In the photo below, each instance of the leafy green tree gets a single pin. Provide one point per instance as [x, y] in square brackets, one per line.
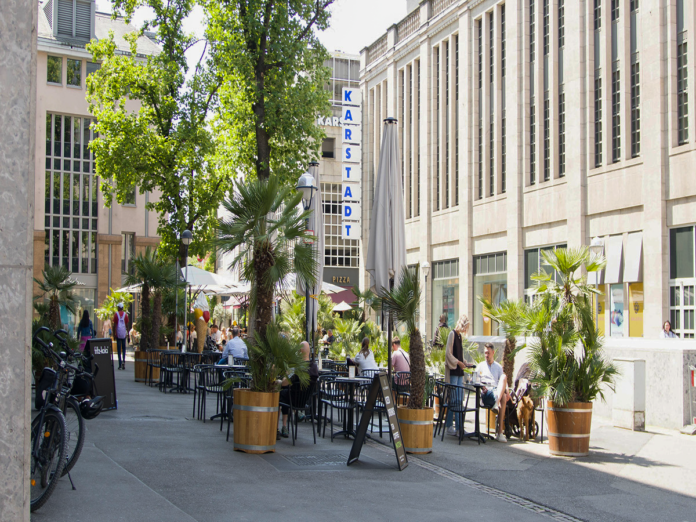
[506, 314]
[110, 305]
[167, 145]
[264, 229]
[275, 84]
[56, 286]
[366, 301]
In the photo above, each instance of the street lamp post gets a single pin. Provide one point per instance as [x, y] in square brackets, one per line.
[597, 248]
[186, 238]
[426, 270]
[306, 187]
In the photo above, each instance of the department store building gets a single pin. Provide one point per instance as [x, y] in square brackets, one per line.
[529, 125]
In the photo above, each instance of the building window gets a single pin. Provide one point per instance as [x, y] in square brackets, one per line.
[636, 305]
[447, 125]
[127, 252]
[533, 264]
[503, 122]
[130, 197]
[54, 70]
[532, 107]
[617, 311]
[547, 138]
[479, 24]
[616, 112]
[418, 152]
[92, 67]
[490, 282]
[446, 291]
[337, 251]
[635, 82]
[491, 106]
[437, 131]
[328, 146]
[74, 19]
[682, 281]
[598, 117]
[682, 78]
[71, 195]
[409, 140]
[74, 72]
[561, 132]
[456, 120]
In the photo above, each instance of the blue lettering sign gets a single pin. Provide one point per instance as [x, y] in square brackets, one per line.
[346, 95]
[349, 116]
[348, 172]
[347, 211]
[347, 152]
[347, 230]
[348, 194]
[348, 133]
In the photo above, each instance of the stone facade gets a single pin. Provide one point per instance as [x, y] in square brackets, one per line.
[478, 195]
[17, 143]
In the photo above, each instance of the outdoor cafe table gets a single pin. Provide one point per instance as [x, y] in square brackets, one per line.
[476, 434]
[348, 422]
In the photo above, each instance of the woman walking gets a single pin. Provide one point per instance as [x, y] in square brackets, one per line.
[85, 330]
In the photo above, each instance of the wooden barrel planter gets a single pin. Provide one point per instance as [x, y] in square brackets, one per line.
[569, 428]
[255, 421]
[416, 429]
[140, 366]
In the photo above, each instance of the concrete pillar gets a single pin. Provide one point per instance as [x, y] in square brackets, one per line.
[17, 145]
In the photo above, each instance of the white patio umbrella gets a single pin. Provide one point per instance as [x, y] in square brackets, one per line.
[386, 251]
[342, 307]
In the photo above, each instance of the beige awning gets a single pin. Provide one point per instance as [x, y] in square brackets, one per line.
[633, 265]
[614, 254]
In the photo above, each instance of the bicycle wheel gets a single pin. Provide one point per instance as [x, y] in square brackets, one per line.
[75, 430]
[48, 461]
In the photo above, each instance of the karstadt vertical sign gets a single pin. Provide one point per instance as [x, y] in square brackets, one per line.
[351, 157]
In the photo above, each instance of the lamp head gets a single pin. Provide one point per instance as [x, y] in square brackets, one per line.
[425, 267]
[597, 246]
[305, 185]
[186, 237]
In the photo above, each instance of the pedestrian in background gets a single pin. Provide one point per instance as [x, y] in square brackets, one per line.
[120, 328]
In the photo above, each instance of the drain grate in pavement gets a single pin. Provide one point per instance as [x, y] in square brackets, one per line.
[332, 459]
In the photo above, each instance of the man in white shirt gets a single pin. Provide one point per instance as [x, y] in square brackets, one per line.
[494, 394]
[216, 335]
[235, 347]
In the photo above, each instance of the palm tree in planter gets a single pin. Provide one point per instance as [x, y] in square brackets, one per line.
[568, 364]
[403, 301]
[506, 314]
[262, 227]
[56, 286]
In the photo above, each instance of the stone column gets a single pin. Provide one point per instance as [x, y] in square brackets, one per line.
[17, 144]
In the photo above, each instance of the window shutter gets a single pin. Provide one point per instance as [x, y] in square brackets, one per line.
[65, 17]
[83, 17]
[48, 11]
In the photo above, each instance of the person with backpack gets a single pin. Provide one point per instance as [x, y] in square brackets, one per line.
[120, 324]
[85, 330]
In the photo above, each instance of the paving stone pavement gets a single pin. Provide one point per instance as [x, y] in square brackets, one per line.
[149, 460]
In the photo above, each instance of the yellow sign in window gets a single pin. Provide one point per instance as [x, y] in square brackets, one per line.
[635, 309]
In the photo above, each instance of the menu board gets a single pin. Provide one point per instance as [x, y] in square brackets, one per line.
[104, 381]
[380, 386]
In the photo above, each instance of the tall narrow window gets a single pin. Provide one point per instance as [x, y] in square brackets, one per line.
[447, 125]
[615, 85]
[532, 106]
[480, 108]
[491, 106]
[402, 103]
[561, 93]
[547, 107]
[597, 83]
[437, 132]
[503, 123]
[682, 78]
[418, 120]
[635, 82]
[409, 201]
[456, 120]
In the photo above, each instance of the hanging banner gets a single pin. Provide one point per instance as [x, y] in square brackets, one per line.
[351, 156]
[352, 96]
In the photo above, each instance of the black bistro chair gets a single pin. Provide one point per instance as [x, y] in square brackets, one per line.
[335, 395]
[298, 399]
[456, 400]
[401, 385]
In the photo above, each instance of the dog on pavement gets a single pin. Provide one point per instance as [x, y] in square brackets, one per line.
[525, 412]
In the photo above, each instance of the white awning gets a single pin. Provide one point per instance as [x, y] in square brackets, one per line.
[592, 276]
[633, 266]
[614, 254]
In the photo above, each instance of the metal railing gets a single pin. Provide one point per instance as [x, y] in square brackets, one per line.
[408, 26]
[440, 5]
[377, 49]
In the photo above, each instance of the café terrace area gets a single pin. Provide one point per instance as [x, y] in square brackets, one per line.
[151, 455]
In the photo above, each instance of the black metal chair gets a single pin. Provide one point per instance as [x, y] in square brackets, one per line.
[379, 408]
[457, 401]
[153, 361]
[298, 400]
[439, 394]
[243, 380]
[240, 361]
[335, 395]
[169, 367]
[198, 387]
[401, 385]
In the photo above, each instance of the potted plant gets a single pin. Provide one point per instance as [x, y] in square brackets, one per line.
[566, 358]
[272, 357]
[506, 314]
[416, 418]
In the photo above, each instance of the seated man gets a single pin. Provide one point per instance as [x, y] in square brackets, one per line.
[234, 348]
[494, 394]
[400, 360]
[330, 339]
[294, 382]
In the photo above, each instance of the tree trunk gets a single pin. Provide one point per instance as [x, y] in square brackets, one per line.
[263, 260]
[156, 319]
[509, 362]
[417, 357]
[263, 147]
[54, 313]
